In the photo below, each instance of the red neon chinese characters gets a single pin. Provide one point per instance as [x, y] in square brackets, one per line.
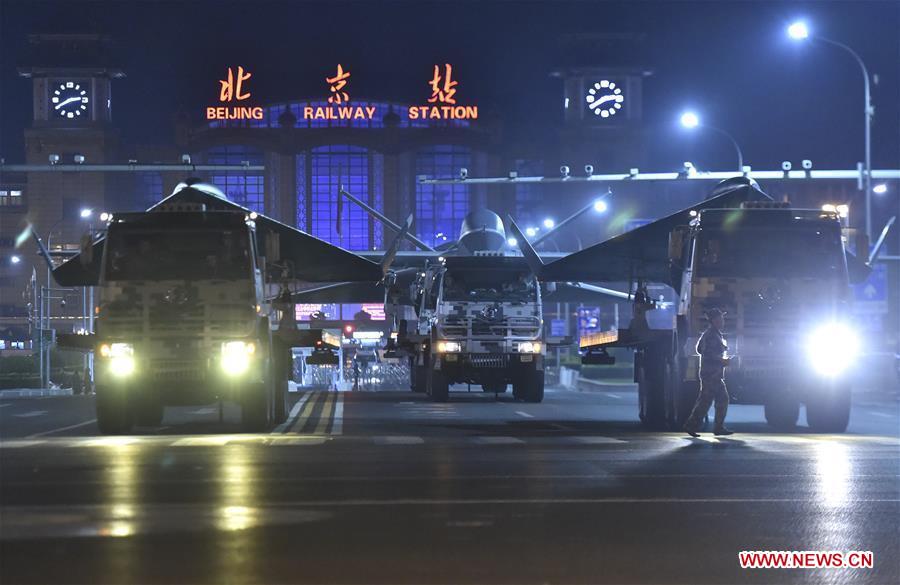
[231, 87]
[337, 83]
[443, 94]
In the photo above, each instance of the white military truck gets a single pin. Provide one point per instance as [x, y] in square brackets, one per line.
[479, 322]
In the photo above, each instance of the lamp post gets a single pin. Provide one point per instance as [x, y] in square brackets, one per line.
[690, 120]
[799, 32]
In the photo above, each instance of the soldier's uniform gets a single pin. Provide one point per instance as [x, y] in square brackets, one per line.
[712, 348]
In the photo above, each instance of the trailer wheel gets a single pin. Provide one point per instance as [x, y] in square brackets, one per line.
[652, 388]
[114, 415]
[782, 411]
[829, 412]
[438, 386]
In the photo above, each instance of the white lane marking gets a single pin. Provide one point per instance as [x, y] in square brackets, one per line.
[6, 404]
[337, 427]
[397, 440]
[291, 504]
[293, 414]
[883, 414]
[325, 415]
[19, 443]
[525, 414]
[75, 426]
[31, 414]
[611, 395]
[304, 415]
[497, 440]
[595, 440]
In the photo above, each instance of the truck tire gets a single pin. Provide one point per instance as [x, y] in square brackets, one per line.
[148, 410]
[438, 386]
[652, 388]
[256, 408]
[113, 411]
[530, 388]
[418, 376]
[782, 411]
[829, 412]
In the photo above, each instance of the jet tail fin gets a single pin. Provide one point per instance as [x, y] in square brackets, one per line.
[531, 257]
[391, 252]
[44, 252]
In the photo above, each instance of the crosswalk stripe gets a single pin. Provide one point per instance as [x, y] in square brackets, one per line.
[294, 410]
[337, 428]
[397, 440]
[497, 440]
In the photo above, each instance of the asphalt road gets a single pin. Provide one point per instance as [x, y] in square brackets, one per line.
[390, 488]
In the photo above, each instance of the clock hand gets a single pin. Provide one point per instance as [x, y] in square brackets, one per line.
[61, 104]
[603, 99]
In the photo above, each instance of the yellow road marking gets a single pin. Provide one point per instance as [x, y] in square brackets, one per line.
[325, 416]
[304, 415]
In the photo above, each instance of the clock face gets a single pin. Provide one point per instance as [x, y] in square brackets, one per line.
[604, 99]
[69, 99]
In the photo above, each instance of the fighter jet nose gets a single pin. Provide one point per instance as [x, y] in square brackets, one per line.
[482, 229]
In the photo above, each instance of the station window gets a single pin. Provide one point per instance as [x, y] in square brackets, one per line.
[11, 198]
[148, 189]
[361, 172]
[528, 197]
[245, 189]
[440, 209]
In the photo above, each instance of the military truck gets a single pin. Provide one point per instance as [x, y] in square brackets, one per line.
[783, 277]
[479, 321]
[183, 319]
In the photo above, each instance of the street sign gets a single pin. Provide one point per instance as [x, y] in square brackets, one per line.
[871, 295]
[558, 328]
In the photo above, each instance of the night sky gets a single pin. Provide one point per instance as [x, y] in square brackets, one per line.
[730, 61]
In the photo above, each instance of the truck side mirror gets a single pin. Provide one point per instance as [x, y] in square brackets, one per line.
[676, 244]
[87, 250]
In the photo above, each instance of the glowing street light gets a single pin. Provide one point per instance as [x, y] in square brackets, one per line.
[86, 213]
[15, 259]
[549, 223]
[691, 120]
[800, 32]
[531, 232]
[600, 206]
[512, 242]
[880, 189]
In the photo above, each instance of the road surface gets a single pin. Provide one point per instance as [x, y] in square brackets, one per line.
[390, 488]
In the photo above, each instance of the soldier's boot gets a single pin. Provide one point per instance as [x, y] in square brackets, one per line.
[722, 431]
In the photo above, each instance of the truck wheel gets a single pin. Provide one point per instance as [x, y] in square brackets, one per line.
[782, 412]
[148, 411]
[255, 408]
[652, 389]
[419, 375]
[830, 412]
[438, 386]
[530, 388]
[113, 412]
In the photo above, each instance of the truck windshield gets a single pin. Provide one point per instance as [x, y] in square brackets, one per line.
[488, 286]
[161, 254]
[782, 253]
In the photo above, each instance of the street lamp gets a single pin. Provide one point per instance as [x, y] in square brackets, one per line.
[549, 223]
[691, 120]
[880, 189]
[799, 32]
[86, 213]
[600, 206]
[15, 259]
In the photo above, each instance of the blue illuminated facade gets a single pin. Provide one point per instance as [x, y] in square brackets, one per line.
[440, 209]
[246, 189]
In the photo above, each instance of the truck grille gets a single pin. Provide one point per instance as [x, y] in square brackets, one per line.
[459, 326]
[486, 360]
[170, 371]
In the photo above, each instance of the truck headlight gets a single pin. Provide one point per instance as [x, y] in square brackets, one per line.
[121, 358]
[832, 348]
[236, 357]
[449, 347]
[528, 347]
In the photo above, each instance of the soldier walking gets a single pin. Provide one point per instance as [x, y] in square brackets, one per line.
[713, 350]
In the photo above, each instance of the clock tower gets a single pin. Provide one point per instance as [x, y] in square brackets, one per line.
[71, 77]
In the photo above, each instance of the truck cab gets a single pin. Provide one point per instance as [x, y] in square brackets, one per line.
[182, 318]
[481, 322]
[781, 276]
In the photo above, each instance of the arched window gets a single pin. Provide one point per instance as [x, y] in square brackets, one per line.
[246, 189]
[318, 175]
[440, 209]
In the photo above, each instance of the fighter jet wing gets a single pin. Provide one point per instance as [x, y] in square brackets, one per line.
[643, 252]
[312, 259]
